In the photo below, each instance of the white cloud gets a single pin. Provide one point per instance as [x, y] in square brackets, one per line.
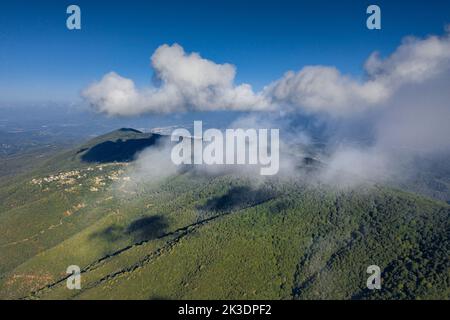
[351, 166]
[414, 61]
[322, 89]
[188, 82]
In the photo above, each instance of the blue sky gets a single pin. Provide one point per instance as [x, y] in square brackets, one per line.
[41, 60]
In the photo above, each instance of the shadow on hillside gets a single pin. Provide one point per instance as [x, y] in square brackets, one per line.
[142, 229]
[120, 150]
[110, 234]
[236, 198]
[147, 228]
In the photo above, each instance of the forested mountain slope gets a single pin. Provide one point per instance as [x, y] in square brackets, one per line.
[212, 236]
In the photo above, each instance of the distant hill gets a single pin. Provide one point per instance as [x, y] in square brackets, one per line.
[199, 236]
[121, 148]
[121, 145]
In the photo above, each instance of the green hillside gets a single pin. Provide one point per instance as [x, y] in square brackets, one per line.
[211, 236]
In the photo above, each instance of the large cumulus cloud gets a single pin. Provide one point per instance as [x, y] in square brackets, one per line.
[323, 89]
[190, 82]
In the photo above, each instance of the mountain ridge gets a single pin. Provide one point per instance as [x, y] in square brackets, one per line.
[213, 236]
